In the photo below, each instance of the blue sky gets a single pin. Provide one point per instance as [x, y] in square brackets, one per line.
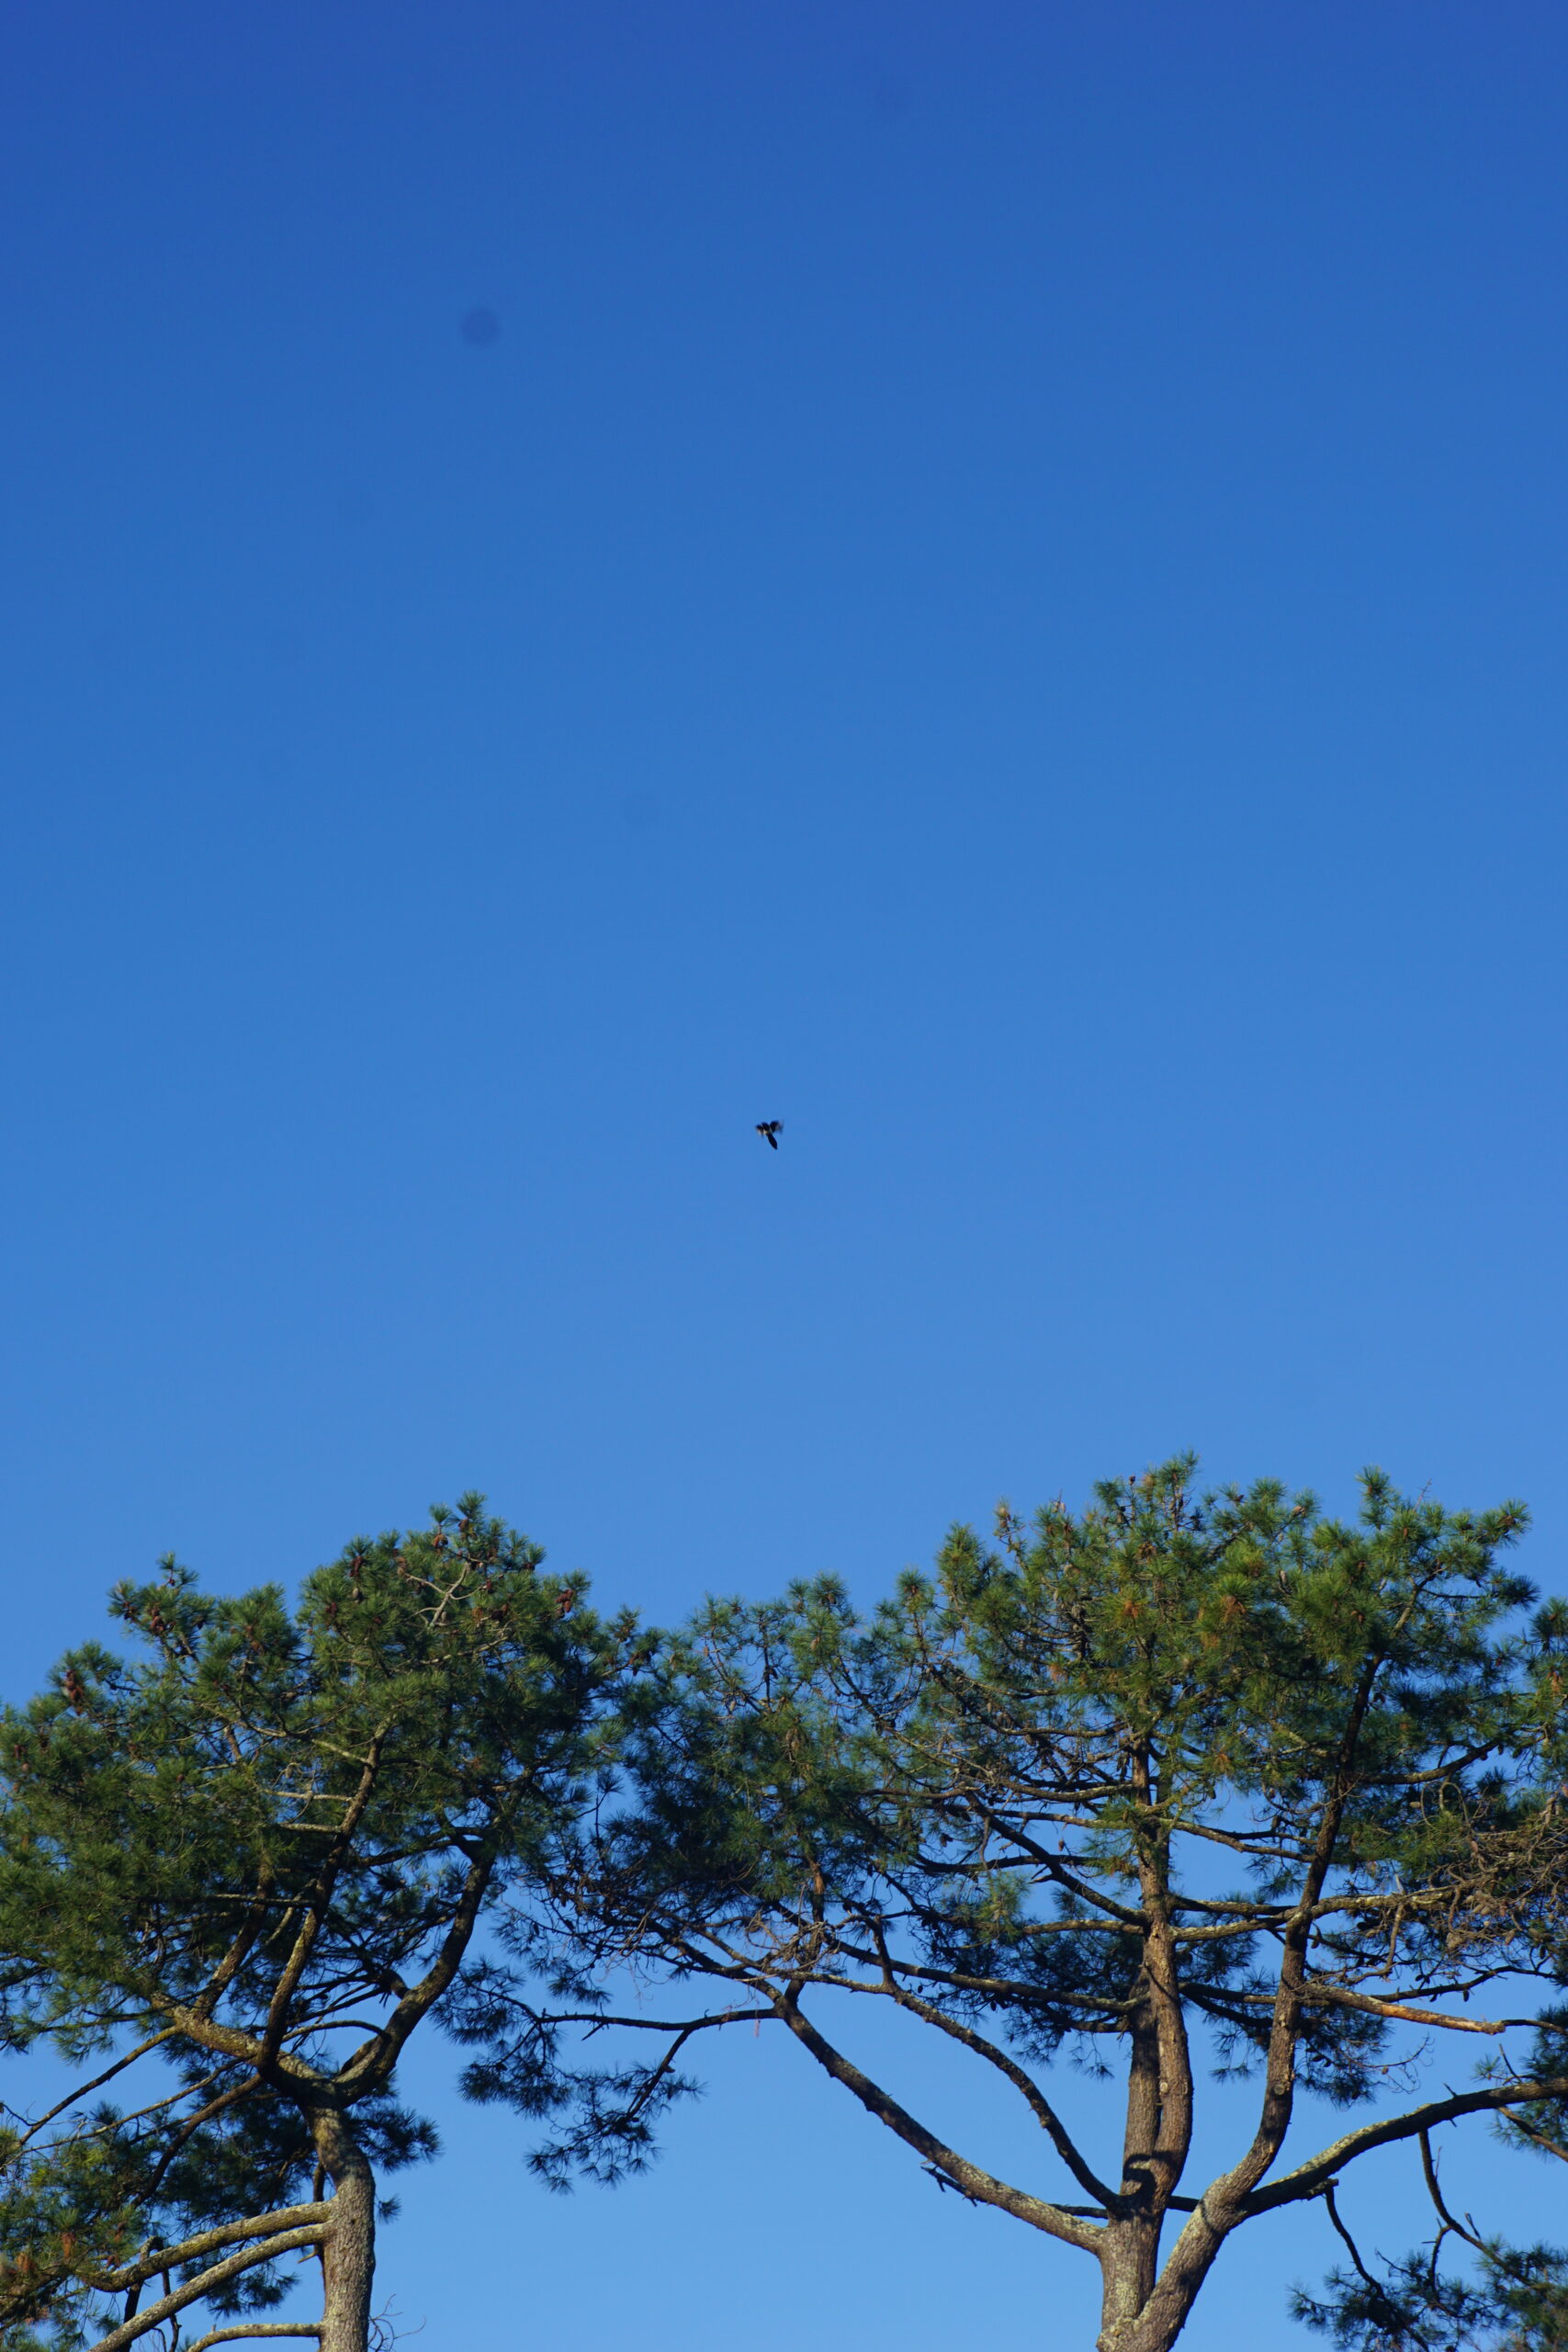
[996, 594]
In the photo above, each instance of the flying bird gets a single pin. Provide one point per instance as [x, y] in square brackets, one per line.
[769, 1131]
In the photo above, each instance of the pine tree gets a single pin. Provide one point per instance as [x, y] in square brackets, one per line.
[255, 1862]
[1173, 1782]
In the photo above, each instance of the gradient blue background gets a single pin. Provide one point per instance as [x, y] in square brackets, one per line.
[999, 595]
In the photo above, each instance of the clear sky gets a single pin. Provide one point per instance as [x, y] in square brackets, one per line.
[987, 581]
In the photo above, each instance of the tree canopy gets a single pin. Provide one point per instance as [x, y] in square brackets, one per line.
[1178, 1783]
[255, 1860]
[1175, 1782]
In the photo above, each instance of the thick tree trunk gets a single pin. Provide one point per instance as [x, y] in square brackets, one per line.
[1145, 2309]
[1128, 2265]
[348, 2258]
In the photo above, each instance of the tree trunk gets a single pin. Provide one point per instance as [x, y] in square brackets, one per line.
[1128, 2265]
[348, 2258]
[1145, 2309]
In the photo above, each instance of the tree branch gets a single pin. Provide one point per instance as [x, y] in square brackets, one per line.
[974, 2182]
[97, 2084]
[1311, 2178]
[1378, 2293]
[320, 1897]
[1320, 1996]
[1279, 2064]
[233, 2335]
[172, 2258]
[374, 2060]
[1430, 2167]
[219, 2276]
[1040, 2107]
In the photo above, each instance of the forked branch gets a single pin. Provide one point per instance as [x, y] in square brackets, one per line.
[205, 2283]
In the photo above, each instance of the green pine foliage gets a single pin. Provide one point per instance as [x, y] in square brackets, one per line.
[1173, 1784]
[1497, 2297]
[1511, 2299]
[260, 1852]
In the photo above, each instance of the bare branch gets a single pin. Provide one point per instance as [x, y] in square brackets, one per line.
[98, 2083]
[1355, 2251]
[1039, 2105]
[1320, 1996]
[172, 2258]
[594, 2019]
[1309, 2179]
[974, 2182]
[219, 2276]
[234, 2335]
[1430, 2167]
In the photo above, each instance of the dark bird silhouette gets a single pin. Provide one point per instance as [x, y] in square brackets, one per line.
[769, 1131]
